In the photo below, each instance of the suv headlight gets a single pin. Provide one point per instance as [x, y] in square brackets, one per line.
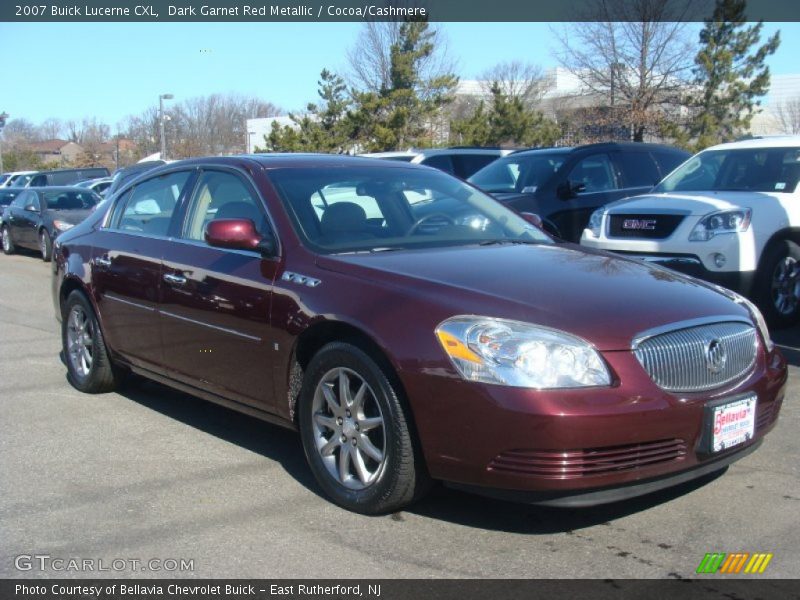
[520, 354]
[726, 221]
[596, 222]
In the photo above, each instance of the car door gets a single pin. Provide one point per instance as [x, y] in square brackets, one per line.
[126, 266]
[591, 182]
[215, 302]
[27, 221]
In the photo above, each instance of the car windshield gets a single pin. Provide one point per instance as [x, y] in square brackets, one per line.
[21, 180]
[69, 200]
[377, 209]
[522, 173]
[750, 169]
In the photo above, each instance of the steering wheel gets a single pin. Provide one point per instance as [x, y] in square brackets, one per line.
[413, 229]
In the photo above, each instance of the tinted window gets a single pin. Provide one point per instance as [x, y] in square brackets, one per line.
[519, 172]
[7, 196]
[467, 164]
[69, 200]
[38, 180]
[751, 169]
[384, 209]
[595, 172]
[149, 208]
[439, 161]
[638, 169]
[222, 195]
[669, 161]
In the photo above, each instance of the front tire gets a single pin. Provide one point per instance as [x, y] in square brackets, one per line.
[8, 244]
[356, 433]
[778, 284]
[45, 245]
[89, 368]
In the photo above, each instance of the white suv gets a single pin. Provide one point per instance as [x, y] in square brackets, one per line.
[730, 215]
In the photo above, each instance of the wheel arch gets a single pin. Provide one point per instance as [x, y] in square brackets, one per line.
[791, 234]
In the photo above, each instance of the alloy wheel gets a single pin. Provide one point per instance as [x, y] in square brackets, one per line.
[786, 286]
[80, 341]
[349, 428]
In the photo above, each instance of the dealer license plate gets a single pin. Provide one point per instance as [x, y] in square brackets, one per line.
[733, 423]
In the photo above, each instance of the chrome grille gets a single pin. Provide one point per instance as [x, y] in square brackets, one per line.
[677, 360]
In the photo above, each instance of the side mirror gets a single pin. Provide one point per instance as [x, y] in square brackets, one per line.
[532, 218]
[238, 234]
[567, 190]
[31, 208]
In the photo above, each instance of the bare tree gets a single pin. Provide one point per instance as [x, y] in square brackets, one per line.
[633, 56]
[51, 129]
[788, 115]
[370, 58]
[516, 79]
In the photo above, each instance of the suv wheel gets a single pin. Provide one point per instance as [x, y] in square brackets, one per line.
[45, 245]
[778, 284]
[89, 368]
[356, 434]
[8, 244]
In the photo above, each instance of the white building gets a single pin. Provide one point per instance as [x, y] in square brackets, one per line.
[258, 128]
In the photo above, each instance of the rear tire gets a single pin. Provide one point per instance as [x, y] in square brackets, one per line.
[356, 433]
[89, 367]
[777, 290]
[8, 244]
[45, 245]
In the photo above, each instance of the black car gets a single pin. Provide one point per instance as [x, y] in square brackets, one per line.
[6, 198]
[564, 186]
[37, 215]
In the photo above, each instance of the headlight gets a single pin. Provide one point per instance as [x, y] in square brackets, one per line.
[520, 354]
[727, 221]
[758, 318]
[62, 225]
[596, 222]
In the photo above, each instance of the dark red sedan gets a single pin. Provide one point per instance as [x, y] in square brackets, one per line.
[413, 329]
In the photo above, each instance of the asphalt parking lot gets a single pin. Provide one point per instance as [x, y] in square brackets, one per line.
[154, 474]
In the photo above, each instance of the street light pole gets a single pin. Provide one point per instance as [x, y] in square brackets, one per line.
[161, 99]
[3, 119]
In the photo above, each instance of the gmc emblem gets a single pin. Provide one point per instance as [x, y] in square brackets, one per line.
[639, 224]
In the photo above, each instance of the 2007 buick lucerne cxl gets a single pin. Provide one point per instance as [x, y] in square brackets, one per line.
[413, 329]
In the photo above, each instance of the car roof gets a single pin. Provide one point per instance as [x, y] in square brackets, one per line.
[639, 146]
[767, 141]
[435, 151]
[278, 160]
[58, 188]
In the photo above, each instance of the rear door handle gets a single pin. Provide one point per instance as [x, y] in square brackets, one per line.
[175, 279]
[102, 261]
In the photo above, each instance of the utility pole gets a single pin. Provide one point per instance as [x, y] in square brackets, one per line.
[3, 119]
[161, 99]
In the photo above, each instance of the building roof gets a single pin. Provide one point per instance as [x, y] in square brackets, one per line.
[50, 146]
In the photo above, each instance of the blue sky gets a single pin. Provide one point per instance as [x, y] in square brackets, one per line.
[110, 71]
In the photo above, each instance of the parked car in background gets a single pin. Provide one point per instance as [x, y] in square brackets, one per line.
[730, 215]
[8, 179]
[125, 174]
[564, 186]
[59, 177]
[461, 161]
[37, 215]
[99, 186]
[460, 343]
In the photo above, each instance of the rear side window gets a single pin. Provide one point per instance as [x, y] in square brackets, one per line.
[38, 181]
[221, 195]
[441, 162]
[148, 209]
[70, 200]
[638, 169]
[466, 165]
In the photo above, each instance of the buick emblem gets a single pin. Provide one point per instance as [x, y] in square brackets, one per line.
[649, 224]
[716, 357]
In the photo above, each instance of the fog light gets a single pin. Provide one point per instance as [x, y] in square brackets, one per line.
[720, 260]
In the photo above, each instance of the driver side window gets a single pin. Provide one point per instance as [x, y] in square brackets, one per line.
[595, 172]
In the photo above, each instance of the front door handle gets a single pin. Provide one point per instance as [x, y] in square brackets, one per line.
[102, 261]
[174, 279]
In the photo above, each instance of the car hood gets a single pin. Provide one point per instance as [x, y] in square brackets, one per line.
[604, 299]
[70, 216]
[694, 203]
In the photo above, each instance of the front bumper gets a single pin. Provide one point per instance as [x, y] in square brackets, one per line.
[544, 445]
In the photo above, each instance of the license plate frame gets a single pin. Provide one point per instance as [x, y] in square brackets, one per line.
[732, 432]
